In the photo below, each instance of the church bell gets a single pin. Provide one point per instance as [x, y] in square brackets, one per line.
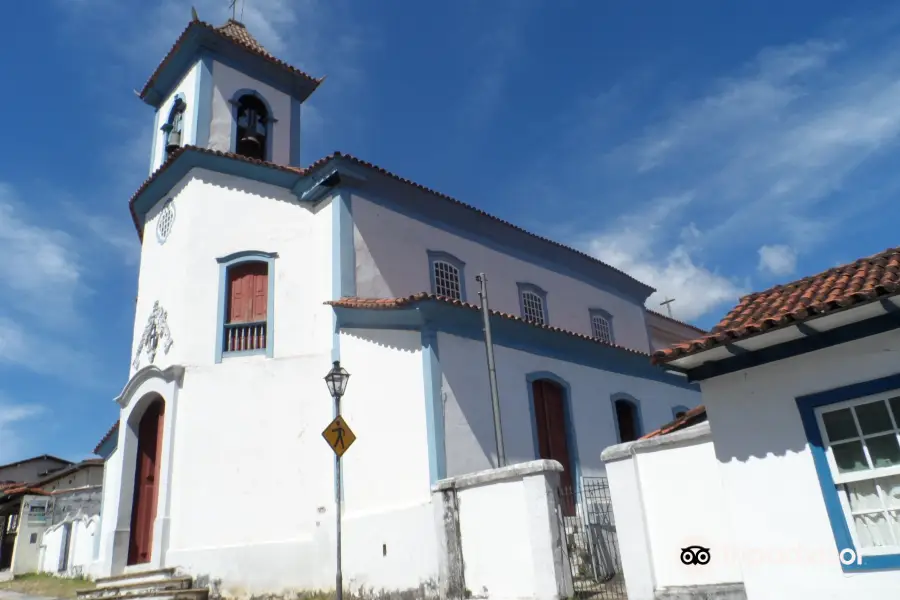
[174, 141]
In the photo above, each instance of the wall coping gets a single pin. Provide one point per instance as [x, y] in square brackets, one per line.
[626, 450]
[516, 471]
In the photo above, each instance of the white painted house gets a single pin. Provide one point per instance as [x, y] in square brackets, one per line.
[791, 489]
[257, 273]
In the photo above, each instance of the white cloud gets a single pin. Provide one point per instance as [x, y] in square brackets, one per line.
[12, 415]
[777, 259]
[41, 270]
[630, 245]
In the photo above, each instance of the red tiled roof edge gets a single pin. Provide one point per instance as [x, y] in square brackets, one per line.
[24, 490]
[112, 430]
[668, 318]
[861, 282]
[232, 40]
[338, 155]
[692, 417]
[395, 303]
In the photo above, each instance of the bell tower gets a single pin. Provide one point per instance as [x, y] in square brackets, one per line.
[219, 89]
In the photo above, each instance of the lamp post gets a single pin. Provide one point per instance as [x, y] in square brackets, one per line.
[336, 380]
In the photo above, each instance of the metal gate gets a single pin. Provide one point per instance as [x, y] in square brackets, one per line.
[592, 549]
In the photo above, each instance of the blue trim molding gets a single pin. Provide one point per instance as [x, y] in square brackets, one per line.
[679, 409]
[466, 322]
[199, 39]
[225, 263]
[599, 312]
[343, 258]
[537, 291]
[441, 256]
[271, 120]
[636, 406]
[296, 130]
[807, 406]
[203, 99]
[571, 437]
[434, 406]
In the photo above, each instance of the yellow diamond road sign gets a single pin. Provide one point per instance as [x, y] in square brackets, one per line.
[339, 436]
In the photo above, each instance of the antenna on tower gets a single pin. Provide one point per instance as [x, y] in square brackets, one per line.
[232, 4]
[668, 305]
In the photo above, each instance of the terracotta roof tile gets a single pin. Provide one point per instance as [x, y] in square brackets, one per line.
[24, 490]
[110, 432]
[235, 32]
[692, 417]
[336, 155]
[864, 281]
[396, 303]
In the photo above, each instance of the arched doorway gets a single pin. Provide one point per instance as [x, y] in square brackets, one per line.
[146, 482]
[552, 438]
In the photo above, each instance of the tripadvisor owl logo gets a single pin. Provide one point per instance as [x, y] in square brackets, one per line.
[695, 555]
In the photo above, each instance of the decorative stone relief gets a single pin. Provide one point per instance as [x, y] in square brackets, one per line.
[156, 331]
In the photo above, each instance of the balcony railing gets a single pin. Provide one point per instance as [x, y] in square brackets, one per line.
[245, 337]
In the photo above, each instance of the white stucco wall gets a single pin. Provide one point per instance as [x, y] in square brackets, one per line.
[80, 543]
[769, 479]
[667, 495]
[227, 81]
[187, 87]
[469, 418]
[210, 222]
[26, 554]
[392, 260]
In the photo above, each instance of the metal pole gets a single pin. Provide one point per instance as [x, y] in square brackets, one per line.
[492, 372]
[339, 578]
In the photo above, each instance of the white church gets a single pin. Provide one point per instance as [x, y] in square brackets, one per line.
[257, 274]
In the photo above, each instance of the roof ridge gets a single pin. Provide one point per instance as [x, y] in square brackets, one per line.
[396, 302]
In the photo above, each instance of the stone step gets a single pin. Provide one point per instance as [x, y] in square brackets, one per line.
[137, 577]
[126, 587]
[190, 594]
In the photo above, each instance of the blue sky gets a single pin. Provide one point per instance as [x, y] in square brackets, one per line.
[708, 148]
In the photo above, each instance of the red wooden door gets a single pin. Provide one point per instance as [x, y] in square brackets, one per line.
[249, 293]
[146, 484]
[553, 443]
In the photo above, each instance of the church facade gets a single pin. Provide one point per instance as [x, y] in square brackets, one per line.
[257, 273]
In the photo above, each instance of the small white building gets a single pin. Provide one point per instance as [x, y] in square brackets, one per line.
[257, 273]
[791, 489]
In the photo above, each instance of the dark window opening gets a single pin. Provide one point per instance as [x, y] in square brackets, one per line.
[252, 127]
[626, 417]
[174, 128]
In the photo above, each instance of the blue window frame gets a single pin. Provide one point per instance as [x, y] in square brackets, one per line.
[678, 411]
[602, 325]
[448, 275]
[245, 337]
[626, 410]
[252, 116]
[533, 303]
[854, 437]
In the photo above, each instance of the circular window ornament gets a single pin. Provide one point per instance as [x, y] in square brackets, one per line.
[164, 222]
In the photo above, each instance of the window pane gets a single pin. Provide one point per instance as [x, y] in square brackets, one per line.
[884, 450]
[873, 417]
[890, 487]
[863, 496]
[873, 530]
[849, 457]
[895, 408]
[839, 425]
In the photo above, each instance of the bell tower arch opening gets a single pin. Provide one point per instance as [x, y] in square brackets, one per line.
[253, 120]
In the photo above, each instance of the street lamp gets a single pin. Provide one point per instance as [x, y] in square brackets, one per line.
[336, 380]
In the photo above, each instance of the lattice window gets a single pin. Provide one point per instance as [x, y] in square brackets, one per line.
[533, 307]
[446, 280]
[601, 328]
